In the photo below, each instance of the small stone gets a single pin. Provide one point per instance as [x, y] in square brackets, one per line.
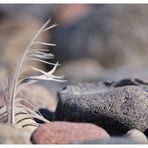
[67, 132]
[11, 135]
[137, 135]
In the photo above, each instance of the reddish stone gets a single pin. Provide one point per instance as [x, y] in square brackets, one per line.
[67, 132]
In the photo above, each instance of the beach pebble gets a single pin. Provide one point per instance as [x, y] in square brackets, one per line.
[66, 132]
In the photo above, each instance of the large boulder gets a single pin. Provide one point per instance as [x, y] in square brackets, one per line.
[115, 106]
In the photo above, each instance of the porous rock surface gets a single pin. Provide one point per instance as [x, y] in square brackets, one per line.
[115, 106]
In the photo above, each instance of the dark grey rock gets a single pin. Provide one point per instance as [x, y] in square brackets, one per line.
[47, 114]
[146, 132]
[115, 106]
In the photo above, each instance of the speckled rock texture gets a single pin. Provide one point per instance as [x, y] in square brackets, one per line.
[115, 106]
[66, 132]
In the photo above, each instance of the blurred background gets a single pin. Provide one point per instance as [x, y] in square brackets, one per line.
[93, 42]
